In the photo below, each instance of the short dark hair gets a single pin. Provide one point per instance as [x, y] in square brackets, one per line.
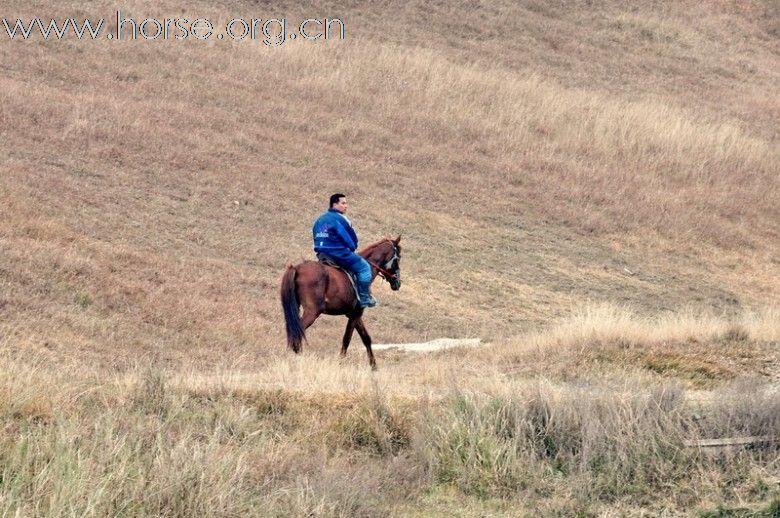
[334, 198]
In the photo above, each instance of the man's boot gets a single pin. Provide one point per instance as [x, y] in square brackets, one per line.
[365, 299]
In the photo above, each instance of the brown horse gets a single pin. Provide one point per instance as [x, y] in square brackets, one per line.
[320, 288]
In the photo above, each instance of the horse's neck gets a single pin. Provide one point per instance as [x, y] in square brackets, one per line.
[375, 255]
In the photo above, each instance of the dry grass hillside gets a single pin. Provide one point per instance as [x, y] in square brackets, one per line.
[593, 188]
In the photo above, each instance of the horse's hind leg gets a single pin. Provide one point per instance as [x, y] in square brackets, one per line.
[308, 318]
[361, 329]
[347, 335]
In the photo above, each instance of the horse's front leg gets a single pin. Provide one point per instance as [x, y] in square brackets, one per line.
[361, 329]
[347, 335]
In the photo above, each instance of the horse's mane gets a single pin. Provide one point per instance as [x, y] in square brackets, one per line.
[370, 248]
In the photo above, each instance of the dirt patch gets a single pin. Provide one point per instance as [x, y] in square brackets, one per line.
[434, 345]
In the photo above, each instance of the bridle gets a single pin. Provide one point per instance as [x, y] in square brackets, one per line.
[383, 270]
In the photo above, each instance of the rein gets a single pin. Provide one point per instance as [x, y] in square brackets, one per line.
[387, 275]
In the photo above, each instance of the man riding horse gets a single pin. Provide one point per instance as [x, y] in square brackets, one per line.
[335, 241]
[321, 289]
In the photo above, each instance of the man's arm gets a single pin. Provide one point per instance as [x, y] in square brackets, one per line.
[345, 236]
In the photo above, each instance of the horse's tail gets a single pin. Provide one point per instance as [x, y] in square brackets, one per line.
[290, 305]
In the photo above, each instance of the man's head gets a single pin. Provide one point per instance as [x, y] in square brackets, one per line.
[338, 202]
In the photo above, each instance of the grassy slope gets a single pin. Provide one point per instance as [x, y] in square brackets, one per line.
[537, 157]
[540, 162]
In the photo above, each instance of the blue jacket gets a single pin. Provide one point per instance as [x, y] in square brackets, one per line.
[333, 231]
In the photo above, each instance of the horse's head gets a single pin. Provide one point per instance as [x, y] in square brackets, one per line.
[386, 257]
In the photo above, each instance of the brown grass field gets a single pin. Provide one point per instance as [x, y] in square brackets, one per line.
[590, 187]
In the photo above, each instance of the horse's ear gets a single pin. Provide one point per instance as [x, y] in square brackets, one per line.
[397, 240]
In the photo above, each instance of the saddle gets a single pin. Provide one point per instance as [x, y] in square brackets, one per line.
[328, 261]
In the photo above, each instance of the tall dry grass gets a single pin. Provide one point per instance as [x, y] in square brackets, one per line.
[702, 349]
[145, 444]
[614, 444]
[309, 435]
[605, 322]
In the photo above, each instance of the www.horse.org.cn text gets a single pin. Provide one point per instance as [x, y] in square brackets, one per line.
[269, 31]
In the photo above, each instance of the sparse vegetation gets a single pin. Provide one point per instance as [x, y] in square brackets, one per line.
[591, 189]
[307, 435]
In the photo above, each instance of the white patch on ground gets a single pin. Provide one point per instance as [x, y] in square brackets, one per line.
[434, 345]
